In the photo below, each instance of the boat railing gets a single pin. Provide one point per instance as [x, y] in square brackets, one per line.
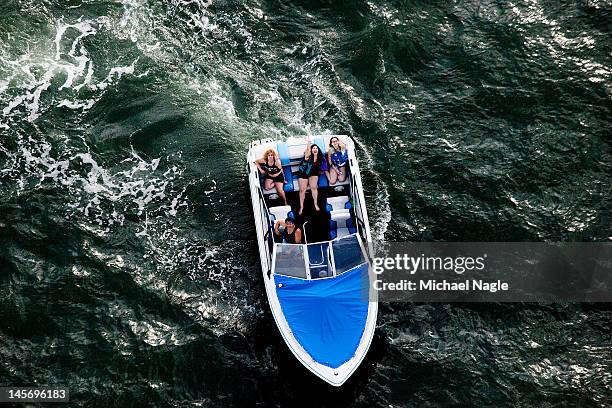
[361, 225]
[266, 226]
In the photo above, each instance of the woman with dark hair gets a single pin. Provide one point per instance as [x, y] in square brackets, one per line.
[337, 158]
[287, 232]
[309, 173]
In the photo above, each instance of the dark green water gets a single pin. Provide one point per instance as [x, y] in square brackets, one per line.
[128, 270]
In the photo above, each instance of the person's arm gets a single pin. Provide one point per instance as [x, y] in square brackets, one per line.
[276, 225]
[307, 151]
[258, 164]
[298, 236]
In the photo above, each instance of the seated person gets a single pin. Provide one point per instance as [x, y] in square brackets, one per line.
[287, 232]
[270, 166]
[337, 158]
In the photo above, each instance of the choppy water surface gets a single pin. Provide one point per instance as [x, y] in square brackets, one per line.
[127, 263]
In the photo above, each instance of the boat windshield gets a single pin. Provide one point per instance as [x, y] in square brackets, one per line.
[290, 260]
[318, 260]
[347, 253]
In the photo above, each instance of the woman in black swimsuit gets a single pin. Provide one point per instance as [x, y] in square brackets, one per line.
[270, 166]
[309, 174]
[287, 232]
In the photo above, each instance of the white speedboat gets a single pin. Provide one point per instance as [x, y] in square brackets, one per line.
[317, 290]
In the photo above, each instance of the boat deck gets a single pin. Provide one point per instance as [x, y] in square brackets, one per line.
[317, 228]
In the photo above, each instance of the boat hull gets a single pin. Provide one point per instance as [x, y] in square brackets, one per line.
[334, 371]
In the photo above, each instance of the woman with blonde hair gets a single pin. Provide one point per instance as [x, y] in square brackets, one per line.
[337, 158]
[270, 166]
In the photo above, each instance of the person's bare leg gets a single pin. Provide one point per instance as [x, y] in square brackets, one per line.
[314, 181]
[268, 183]
[303, 184]
[332, 176]
[342, 177]
[281, 191]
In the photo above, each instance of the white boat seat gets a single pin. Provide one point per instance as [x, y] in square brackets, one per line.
[288, 187]
[341, 224]
[280, 213]
[338, 203]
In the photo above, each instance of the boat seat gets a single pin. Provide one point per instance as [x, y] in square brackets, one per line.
[288, 187]
[280, 213]
[338, 203]
[292, 182]
[289, 177]
[341, 224]
[323, 182]
[291, 156]
[295, 152]
[341, 185]
[321, 143]
[283, 152]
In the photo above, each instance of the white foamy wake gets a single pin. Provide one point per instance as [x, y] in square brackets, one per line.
[104, 196]
[31, 82]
